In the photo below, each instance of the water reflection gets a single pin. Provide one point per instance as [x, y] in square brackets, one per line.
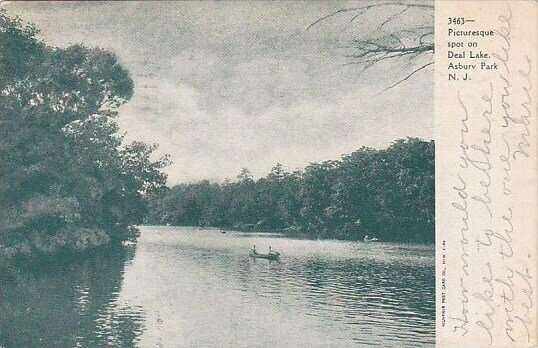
[353, 293]
[189, 288]
[69, 304]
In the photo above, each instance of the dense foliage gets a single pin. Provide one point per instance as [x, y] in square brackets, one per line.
[67, 180]
[384, 193]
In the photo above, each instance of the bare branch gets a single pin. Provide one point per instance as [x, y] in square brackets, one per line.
[391, 18]
[407, 77]
[390, 40]
[332, 15]
[363, 9]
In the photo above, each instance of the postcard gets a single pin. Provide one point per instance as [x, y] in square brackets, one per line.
[336, 173]
[486, 179]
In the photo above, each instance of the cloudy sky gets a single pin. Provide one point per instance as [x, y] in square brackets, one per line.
[226, 85]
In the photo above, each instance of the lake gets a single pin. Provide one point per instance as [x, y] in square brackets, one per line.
[186, 287]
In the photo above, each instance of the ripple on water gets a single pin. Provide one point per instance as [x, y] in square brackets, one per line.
[189, 287]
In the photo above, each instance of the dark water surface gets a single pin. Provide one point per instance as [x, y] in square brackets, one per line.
[184, 287]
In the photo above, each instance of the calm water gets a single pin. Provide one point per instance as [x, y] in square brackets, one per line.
[183, 287]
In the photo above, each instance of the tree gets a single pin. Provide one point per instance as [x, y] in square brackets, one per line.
[388, 193]
[68, 180]
[395, 37]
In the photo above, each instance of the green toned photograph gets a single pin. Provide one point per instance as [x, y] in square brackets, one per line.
[217, 174]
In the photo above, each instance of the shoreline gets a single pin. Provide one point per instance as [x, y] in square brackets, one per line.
[287, 233]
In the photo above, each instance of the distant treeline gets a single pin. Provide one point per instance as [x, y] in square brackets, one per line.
[387, 193]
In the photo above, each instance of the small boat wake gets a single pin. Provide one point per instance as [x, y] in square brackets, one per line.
[271, 256]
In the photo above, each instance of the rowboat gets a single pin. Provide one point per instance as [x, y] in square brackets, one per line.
[270, 256]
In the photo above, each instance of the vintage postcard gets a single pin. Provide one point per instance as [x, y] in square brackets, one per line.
[268, 174]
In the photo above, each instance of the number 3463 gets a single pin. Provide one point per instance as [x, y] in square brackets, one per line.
[456, 20]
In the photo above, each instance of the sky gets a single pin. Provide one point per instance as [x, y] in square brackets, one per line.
[221, 86]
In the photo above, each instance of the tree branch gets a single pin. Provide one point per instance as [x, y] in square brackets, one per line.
[407, 77]
[398, 42]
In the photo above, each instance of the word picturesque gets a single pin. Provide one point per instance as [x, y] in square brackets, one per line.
[480, 33]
